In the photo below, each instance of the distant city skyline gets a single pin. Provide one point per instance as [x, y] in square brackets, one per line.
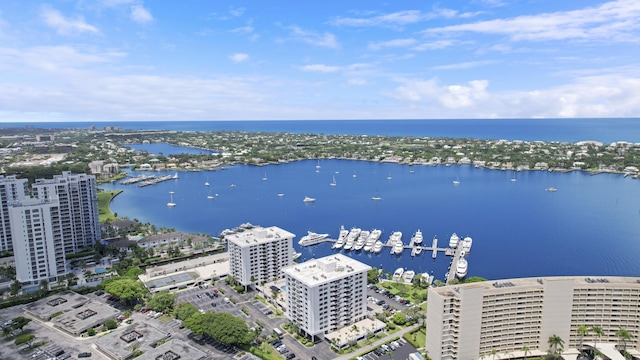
[119, 60]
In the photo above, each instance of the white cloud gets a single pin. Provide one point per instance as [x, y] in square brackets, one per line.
[449, 96]
[140, 14]
[612, 21]
[242, 30]
[320, 68]
[239, 57]
[391, 43]
[54, 59]
[325, 39]
[463, 65]
[358, 82]
[433, 45]
[237, 12]
[62, 25]
[400, 18]
[115, 3]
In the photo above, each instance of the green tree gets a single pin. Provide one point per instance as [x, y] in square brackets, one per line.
[15, 287]
[526, 351]
[597, 330]
[25, 339]
[91, 332]
[556, 344]
[222, 327]
[19, 323]
[162, 301]
[126, 289]
[183, 311]
[399, 318]
[624, 335]
[111, 324]
[583, 331]
[372, 276]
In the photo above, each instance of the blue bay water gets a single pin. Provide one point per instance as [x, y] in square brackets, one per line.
[572, 130]
[590, 226]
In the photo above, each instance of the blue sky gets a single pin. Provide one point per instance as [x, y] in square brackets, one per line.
[90, 60]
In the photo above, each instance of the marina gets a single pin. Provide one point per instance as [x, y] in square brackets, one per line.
[357, 239]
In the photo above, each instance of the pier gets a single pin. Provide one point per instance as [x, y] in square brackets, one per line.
[451, 274]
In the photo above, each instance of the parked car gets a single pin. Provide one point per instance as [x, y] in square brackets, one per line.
[84, 355]
[291, 356]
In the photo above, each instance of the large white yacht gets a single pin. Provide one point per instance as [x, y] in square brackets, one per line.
[417, 238]
[466, 244]
[453, 240]
[374, 235]
[397, 275]
[362, 239]
[377, 247]
[308, 199]
[351, 238]
[461, 268]
[398, 246]
[408, 275]
[342, 237]
[312, 238]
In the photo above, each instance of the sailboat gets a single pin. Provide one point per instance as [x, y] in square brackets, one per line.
[376, 197]
[171, 203]
[513, 179]
[389, 177]
[210, 197]
[265, 176]
[318, 166]
[456, 181]
[206, 183]
[333, 183]
[175, 176]
[354, 175]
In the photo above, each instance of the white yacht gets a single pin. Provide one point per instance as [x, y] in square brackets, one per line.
[371, 240]
[362, 240]
[308, 199]
[377, 247]
[333, 183]
[341, 238]
[417, 238]
[171, 203]
[408, 275]
[398, 247]
[453, 241]
[418, 250]
[312, 238]
[461, 269]
[466, 244]
[351, 238]
[397, 275]
[175, 176]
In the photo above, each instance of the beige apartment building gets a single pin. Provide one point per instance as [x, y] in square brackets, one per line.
[257, 255]
[514, 316]
[326, 294]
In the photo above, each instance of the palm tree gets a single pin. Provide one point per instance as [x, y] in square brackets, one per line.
[597, 330]
[526, 351]
[556, 344]
[583, 331]
[493, 354]
[624, 335]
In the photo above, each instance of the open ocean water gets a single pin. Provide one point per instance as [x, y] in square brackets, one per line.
[572, 130]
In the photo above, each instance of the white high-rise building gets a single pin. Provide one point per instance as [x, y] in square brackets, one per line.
[257, 255]
[516, 317]
[326, 294]
[11, 190]
[78, 199]
[38, 242]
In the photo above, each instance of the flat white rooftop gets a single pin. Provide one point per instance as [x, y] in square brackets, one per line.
[324, 270]
[259, 235]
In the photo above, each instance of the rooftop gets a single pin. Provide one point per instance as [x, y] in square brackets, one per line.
[62, 302]
[327, 269]
[259, 235]
[121, 343]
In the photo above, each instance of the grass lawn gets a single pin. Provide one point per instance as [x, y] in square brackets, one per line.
[104, 199]
[407, 291]
[417, 338]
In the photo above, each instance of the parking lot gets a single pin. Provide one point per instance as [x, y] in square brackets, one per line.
[214, 302]
[400, 349]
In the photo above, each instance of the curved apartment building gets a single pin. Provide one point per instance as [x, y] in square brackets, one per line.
[506, 318]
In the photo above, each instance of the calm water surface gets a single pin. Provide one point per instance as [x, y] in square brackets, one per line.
[590, 226]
